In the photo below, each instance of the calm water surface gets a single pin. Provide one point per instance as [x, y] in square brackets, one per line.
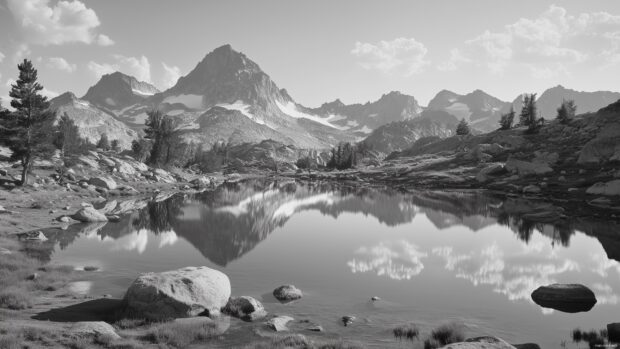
[432, 257]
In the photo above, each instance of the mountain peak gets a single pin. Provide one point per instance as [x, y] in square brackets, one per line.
[118, 90]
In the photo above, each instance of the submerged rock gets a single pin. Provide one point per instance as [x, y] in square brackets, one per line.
[348, 319]
[568, 298]
[531, 189]
[278, 323]
[287, 293]
[245, 308]
[186, 292]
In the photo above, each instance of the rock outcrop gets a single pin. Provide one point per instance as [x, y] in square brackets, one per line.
[89, 215]
[486, 342]
[610, 188]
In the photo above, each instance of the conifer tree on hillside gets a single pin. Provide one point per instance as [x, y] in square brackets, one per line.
[115, 145]
[26, 130]
[104, 142]
[507, 119]
[462, 128]
[566, 111]
[160, 129]
[528, 112]
[67, 138]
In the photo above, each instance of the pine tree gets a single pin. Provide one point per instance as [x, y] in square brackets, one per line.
[26, 131]
[160, 129]
[115, 145]
[507, 119]
[528, 112]
[67, 138]
[566, 111]
[104, 142]
[462, 128]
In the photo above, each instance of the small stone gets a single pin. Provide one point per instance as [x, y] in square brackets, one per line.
[287, 293]
[278, 323]
[375, 298]
[316, 328]
[32, 276]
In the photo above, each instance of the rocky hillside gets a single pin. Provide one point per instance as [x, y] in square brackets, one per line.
[560, 160]
[480, 109]
[91, 121]
[586, 102]
[363, 118]
[400, 135]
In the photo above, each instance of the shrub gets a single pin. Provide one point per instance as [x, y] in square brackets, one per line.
[407, 331]
[462, 129]
[15, 300]
[449, 333]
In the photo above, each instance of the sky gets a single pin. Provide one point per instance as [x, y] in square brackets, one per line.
[320, 50]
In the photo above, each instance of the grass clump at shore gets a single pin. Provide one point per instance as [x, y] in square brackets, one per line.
[406, 331]
[298, 341]
[180, 335]
[21, 276]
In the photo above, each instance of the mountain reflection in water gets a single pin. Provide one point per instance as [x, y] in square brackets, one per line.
[413, 246]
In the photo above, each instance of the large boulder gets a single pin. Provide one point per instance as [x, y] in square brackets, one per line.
[609, 188]
[186, 292]
[124, 168]
[90, 162]
[201, 182]
[569, 298]
[601, 149]
[245, 308]
[287, 293]
[103, 182]
[525, 168]
[486, 342]
[89, 214]
[164, 176]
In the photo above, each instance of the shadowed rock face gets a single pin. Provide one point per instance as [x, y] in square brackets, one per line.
[480, 109]
[116, 91]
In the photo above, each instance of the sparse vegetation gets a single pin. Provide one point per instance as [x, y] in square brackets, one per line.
[529, 113]
[594, 339]
[343, 156]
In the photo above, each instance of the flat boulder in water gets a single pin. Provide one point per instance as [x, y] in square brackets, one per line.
[185, 292]
[89, 215]
[568, 298]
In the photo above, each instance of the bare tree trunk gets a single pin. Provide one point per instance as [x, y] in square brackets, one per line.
[25, 169]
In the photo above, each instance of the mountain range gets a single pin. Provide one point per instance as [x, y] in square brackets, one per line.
[228, 97]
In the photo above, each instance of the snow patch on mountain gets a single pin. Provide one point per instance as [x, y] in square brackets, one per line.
[243, 109]
[142, 92]
[290, 109]
[190, 101]
[460, 110]
[364, 129]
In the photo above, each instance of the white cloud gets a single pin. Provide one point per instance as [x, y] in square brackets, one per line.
[23, 51]
[104, 40]
[398, 260]
[140, 68]
[99, 69]
[1, 57]
[60, 63]
[547, 45]
[405, 55]
[171, 75]
[54, 23]
[49, 93]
